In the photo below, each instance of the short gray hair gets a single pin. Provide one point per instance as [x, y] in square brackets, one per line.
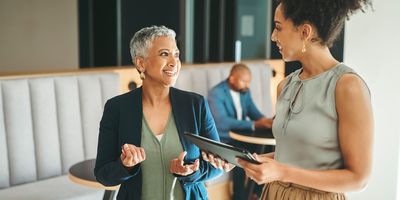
[142, 39]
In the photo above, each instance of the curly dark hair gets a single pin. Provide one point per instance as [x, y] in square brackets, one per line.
[328, 16]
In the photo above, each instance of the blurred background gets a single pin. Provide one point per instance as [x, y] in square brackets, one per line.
[57, 35]
[62, 34]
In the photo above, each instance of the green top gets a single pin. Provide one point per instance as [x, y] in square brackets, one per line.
[305, 125]
[157, 181]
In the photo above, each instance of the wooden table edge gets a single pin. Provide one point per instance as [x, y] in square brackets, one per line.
[253, 140]
[90, 183]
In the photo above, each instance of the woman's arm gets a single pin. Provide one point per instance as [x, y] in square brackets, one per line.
[109, 169]
[207, 129]
[355, 131]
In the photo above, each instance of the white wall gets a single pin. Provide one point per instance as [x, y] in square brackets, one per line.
[37, 35]
[371, 48]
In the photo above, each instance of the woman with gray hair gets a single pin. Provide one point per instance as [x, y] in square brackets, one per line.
[141, 144]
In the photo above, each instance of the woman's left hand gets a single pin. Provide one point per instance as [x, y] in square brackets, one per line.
[217, 162]
[177, 165]
[269, 170]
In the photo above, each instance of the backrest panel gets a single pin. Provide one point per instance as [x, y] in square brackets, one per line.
[47, 124]
[184, 80]
[19, 131]
[109, 86]
[4, 169]
[260, 87]
[91, 101]
[45, 127]
[199, 81]
[69, 120]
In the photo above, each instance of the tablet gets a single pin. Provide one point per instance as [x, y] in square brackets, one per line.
[222, 150]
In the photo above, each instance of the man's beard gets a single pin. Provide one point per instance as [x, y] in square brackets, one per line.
[243, 90]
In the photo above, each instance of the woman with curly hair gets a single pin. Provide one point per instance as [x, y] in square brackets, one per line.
[324, 123]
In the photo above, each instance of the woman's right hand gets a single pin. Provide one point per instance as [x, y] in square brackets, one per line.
[269, 170]
[132, 155]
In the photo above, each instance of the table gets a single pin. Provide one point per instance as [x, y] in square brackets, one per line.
[262, 137]
[259, 136]
[82, 173]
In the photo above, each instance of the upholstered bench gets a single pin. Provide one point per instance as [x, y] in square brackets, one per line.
[47, 124]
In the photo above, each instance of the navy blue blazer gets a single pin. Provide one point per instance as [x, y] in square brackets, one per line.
[121, 123]
[224, 111]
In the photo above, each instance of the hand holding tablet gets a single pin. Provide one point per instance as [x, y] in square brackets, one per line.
[217, 162]
[224, 151]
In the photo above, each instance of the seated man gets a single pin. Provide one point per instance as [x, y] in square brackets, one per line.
[231, 104]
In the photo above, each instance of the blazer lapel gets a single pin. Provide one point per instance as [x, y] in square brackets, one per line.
[229, 100]
[177, 116]
[133, 118]
[243, 104]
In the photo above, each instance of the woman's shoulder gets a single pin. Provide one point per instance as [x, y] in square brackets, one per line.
[186, 94]
[125, 97]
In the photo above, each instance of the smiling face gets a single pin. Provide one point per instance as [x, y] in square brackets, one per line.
[162, 64]
[287, 37]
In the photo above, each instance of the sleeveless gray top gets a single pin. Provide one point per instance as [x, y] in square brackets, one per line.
[305, 125]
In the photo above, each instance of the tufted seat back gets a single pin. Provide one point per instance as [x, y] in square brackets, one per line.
[49, 123]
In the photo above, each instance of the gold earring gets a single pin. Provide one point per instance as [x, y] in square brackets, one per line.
[142, 75]
[303, 50]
